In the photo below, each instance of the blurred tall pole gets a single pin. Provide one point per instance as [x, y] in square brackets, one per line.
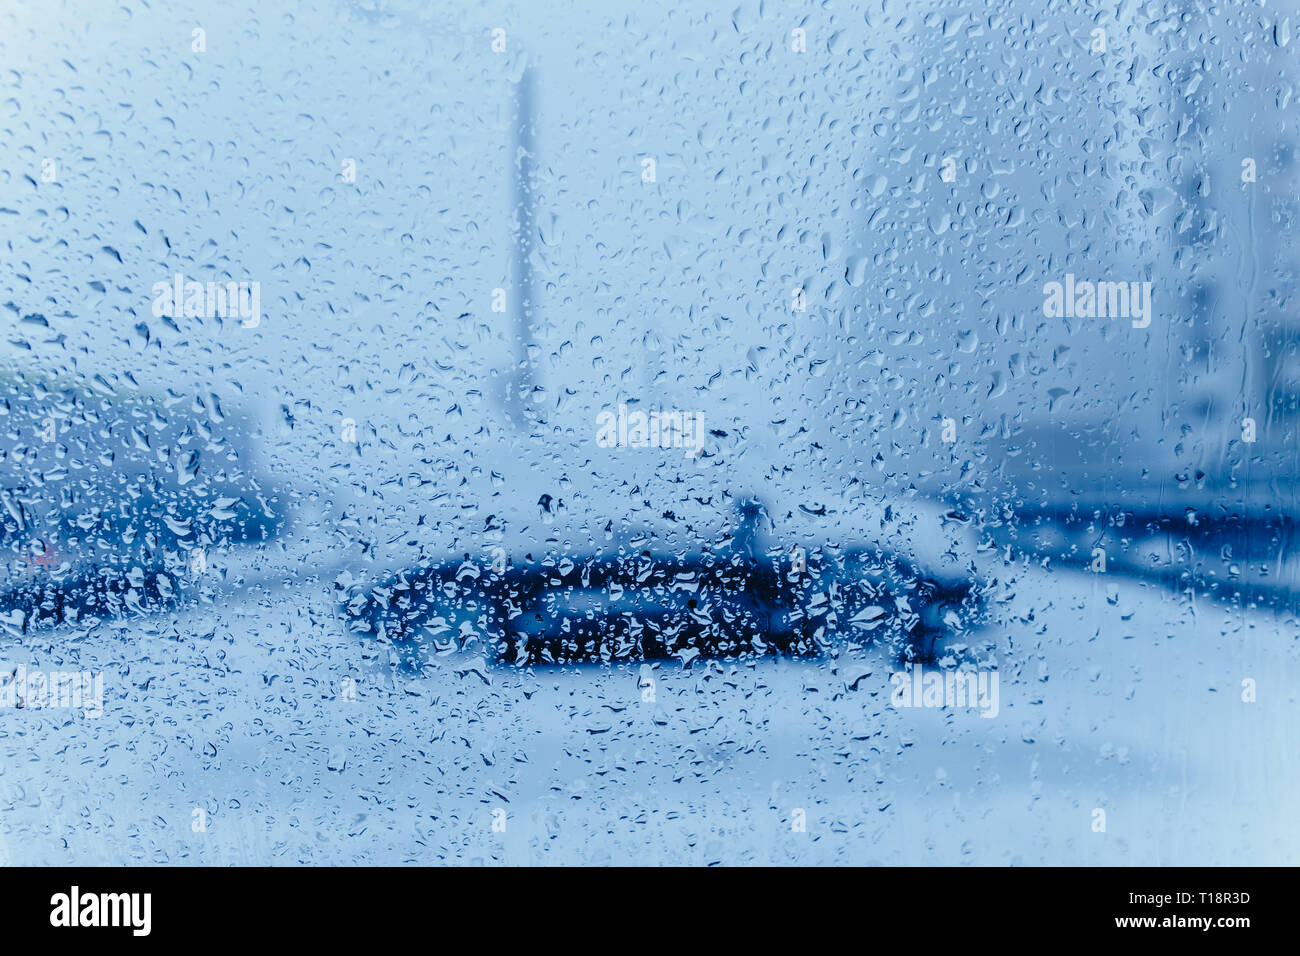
[520, 381]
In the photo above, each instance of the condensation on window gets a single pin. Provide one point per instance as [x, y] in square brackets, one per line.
[786, 434]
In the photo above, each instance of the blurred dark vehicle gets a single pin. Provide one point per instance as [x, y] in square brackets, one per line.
[631, 604]
[1230, 540]
[110, 500]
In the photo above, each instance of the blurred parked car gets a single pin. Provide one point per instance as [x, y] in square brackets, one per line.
[110, 500]
[627, 602]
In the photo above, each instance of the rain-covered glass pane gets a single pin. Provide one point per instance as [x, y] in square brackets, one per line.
[603, 432]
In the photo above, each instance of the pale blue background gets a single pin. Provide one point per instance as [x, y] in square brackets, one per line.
[775, 170]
